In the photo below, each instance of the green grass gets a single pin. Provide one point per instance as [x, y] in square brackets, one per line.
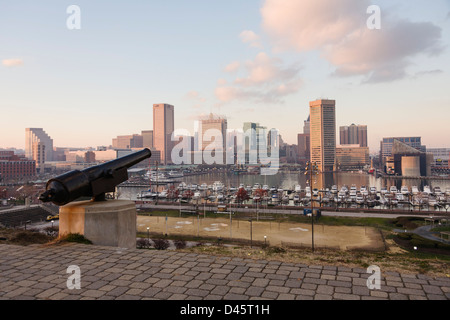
[441, 228]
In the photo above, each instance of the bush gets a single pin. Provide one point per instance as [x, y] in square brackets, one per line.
[142, 243]
[76, 237]
[161, 244]
[51, 231]
[29, 237]
[180, 244]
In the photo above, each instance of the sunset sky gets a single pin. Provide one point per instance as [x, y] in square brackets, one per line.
[258, 61]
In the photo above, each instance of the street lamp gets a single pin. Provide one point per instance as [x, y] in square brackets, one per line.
[312, 169]
[148, 233]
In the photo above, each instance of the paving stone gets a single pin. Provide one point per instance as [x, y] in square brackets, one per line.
[111, 273]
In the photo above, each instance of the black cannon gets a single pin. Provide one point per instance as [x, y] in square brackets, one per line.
[91, 182]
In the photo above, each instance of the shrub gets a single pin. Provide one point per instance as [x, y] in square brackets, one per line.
[142, 243]
[180, 244]
[76, 237]
[161, 244]
[51, 231]
[28, 237]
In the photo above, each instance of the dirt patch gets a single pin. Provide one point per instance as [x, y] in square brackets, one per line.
[23, 237]
[274, 233]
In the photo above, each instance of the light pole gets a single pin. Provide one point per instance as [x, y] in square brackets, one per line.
[311, 169]
[251, 233]
[148, 233]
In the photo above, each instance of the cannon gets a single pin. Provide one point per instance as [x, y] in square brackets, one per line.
[92, 182]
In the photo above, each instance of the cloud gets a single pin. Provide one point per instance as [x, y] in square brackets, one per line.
[248, 36]
[194, 95]
[427, 73]
[338, 31]
[233, 66]
[311, 24]
[12, 62]
[266, 80]
[264, 69]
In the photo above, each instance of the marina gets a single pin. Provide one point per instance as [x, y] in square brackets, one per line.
[293, 189]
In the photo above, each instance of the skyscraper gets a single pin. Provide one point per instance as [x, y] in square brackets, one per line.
[211, 133]
[353, 134]
[37, 138]
[323, 133]
[163, 127]
[303, 143]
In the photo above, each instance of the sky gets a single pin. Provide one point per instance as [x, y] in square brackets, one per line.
[250, 61]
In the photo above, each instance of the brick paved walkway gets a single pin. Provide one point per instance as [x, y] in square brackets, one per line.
[40, 272]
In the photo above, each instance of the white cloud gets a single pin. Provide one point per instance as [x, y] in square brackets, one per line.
[12, 62]
[248, 36]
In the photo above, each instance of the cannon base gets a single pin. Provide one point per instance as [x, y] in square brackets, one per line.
[105, 223]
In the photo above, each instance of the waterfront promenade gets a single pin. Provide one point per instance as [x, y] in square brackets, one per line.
[107, 273]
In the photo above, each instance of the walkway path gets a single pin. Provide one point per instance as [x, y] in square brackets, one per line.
[40, 272]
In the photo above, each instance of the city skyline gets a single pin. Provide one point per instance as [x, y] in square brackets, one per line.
[86, 86]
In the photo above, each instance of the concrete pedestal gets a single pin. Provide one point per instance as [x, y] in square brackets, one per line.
[107, 223]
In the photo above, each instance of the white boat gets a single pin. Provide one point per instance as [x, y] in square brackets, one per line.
[383, 190]
[217, 186]
[393, 189]
[175, 174]
[414, 190]
[432, 202]
[334, 189]
[298, 188]
[275, 198]
[447, 192]
[404, 190]
[427, 189]
[373, 190]
[437, 191]
[364, 191]
[315, 192]
[359, 199]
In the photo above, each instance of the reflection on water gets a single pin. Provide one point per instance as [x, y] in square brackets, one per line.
[289, 180]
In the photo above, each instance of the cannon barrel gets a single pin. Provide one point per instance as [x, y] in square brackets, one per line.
[91, 182]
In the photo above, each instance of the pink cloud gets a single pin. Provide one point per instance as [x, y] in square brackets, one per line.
[338, 31]
[12, 62]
